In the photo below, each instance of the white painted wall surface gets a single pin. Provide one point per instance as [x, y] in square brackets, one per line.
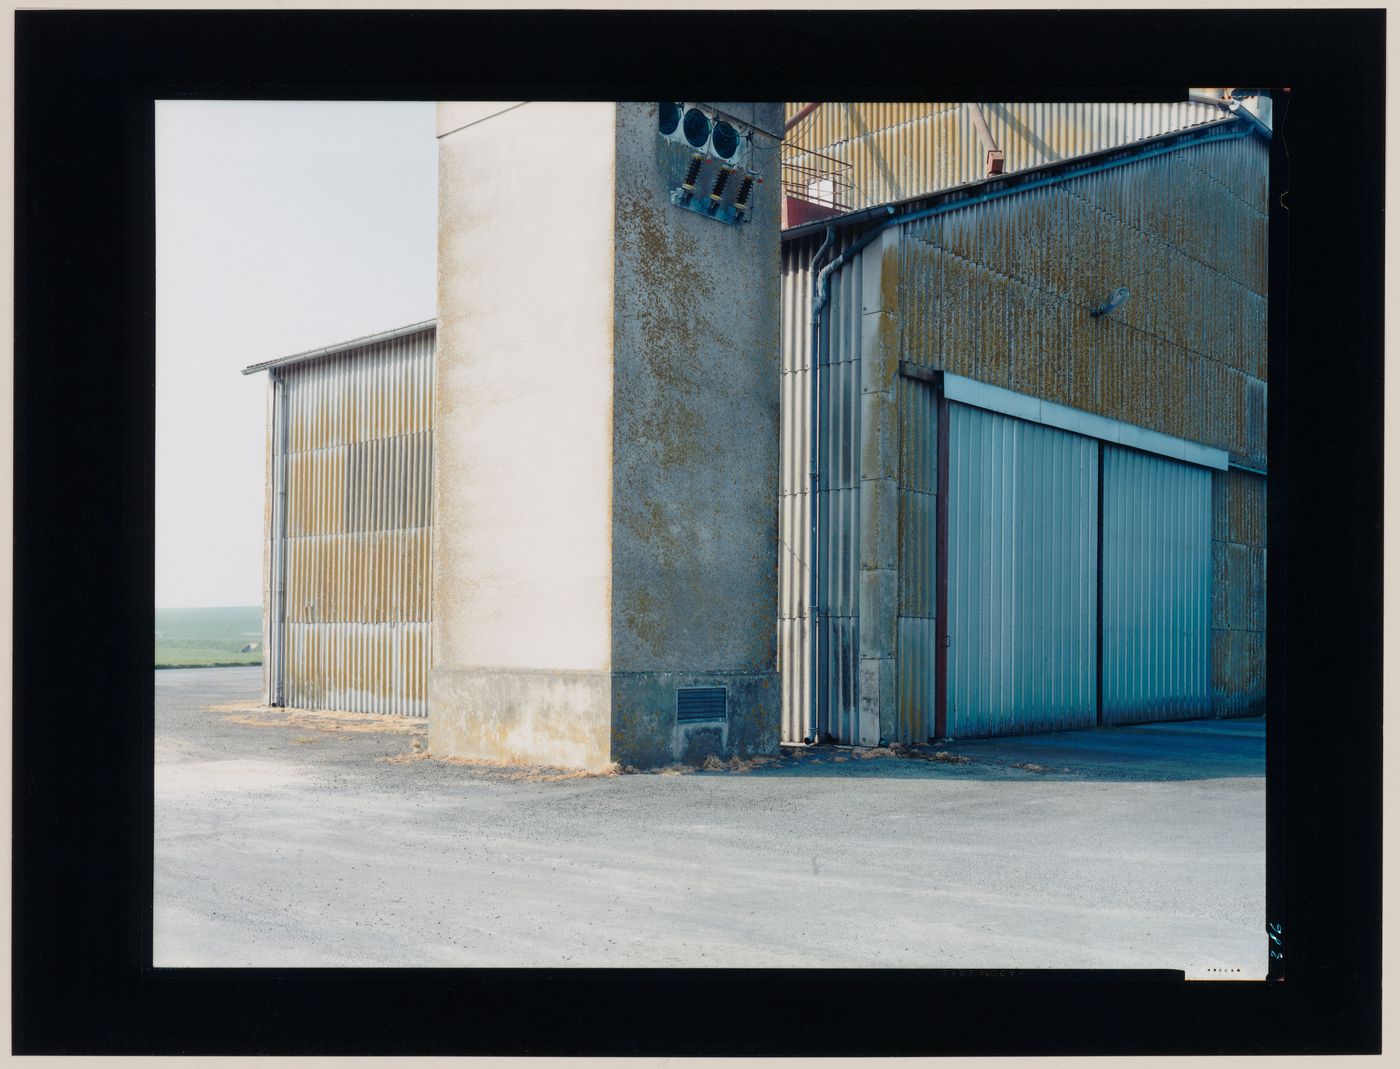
[524, 427]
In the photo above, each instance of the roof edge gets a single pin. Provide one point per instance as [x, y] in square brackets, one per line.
[344, 346]
[1008, 183]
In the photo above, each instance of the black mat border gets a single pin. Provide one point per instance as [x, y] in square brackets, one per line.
[84, 519]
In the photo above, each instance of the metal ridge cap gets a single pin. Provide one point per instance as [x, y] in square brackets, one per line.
[340, 347]
[1010, 182]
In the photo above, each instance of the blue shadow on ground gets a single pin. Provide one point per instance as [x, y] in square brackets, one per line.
[1181, 750]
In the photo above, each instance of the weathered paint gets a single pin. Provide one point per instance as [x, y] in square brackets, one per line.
[695, 457]
[1155, 588]
[1238, 588]
[891, 151]
[1001, 291]
[1022, 563]
[918, 560]
[350, 527]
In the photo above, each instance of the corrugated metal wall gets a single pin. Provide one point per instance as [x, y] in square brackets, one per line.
[918, 559]
[1238, 593]
[898, 151]
[1001, 292]
[1156, 588]
[838, 502]
[355, 559]
[838, 497]
[1022, 564]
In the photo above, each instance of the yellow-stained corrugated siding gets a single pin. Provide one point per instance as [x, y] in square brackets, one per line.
[1238, 593]
[1001, 292]
[358, 541]
[918, 560]
[893, 151]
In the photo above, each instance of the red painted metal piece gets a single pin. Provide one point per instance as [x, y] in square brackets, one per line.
[802, 114]
[797, 211]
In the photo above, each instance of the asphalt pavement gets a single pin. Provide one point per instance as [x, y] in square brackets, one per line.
[289, 839]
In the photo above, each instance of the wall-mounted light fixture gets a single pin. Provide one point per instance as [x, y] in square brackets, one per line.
[1120, 295]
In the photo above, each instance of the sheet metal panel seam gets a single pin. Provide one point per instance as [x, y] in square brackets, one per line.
[1151, 237]
[1053, 295]
[1261, 213]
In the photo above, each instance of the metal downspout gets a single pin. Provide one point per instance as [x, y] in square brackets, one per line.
[813, 483]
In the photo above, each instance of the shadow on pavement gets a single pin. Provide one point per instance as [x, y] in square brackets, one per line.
[1182, 750]
[1179, 750]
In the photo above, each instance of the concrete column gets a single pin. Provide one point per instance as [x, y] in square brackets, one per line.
[695, 445]
[607, 468]
[879, 488]
[522, 565]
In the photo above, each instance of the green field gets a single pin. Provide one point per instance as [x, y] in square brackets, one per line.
[208, 638]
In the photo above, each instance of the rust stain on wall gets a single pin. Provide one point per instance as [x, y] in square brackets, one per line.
[359, 529]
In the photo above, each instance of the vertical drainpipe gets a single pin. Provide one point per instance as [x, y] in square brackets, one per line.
[278, 572]
[814, 484]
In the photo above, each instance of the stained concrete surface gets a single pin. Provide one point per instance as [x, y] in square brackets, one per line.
[293, 842]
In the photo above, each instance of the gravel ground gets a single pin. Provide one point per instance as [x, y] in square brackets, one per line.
[323, 840]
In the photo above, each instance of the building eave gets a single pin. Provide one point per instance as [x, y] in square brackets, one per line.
[344, 346]
[1008, 182]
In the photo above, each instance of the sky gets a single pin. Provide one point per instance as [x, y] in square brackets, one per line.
[280, 226]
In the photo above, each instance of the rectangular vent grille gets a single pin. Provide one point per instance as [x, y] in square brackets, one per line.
[701, 703]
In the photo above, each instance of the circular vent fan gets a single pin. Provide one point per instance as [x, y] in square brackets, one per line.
[725, 140]
[668, 116]
[697, 127]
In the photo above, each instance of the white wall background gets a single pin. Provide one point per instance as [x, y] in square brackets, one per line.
[280, 226]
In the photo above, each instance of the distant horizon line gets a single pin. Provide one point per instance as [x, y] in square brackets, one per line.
[246, 605]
